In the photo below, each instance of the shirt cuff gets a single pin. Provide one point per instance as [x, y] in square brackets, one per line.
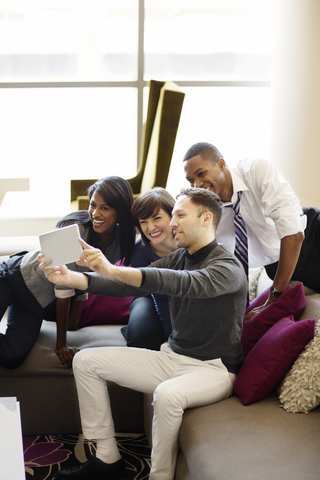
[64, 293]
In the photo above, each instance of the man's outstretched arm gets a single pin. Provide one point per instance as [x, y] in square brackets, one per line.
[97, 262]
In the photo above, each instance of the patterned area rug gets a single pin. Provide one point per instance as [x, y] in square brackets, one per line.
[44, 455]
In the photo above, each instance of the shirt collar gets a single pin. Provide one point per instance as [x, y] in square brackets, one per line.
[238, 186]
[203, 252]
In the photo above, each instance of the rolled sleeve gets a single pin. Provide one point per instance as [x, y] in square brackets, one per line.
[290, 222]
[64, 293]
[269, 207]
[278, 199]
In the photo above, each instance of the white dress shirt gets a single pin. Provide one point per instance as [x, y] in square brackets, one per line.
[269, 207]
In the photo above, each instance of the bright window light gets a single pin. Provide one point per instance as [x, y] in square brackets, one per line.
[68, 40]
[53, 135]
[235, 119]
[73, 86]
[208, 39]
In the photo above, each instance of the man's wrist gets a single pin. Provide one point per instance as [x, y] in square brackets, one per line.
[78, 280]
[274, 292]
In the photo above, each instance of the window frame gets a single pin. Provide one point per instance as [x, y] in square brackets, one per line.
[138, 84]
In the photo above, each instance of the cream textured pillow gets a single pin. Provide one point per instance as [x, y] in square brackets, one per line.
[254, 274]
[300, 389]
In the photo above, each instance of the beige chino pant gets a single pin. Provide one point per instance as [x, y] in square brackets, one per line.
[176, 381]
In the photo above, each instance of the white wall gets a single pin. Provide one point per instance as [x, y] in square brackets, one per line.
[295, 126]
[26, 227]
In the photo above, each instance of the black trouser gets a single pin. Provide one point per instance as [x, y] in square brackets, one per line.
[24, 317]
[144, 329]
[307, 269]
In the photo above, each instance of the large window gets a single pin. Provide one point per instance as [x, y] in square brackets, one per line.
[73, 76]
[208, 39]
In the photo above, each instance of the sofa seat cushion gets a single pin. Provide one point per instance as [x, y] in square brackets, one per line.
[47, 392]
[42, 360]
[312, 308]
[227, 441]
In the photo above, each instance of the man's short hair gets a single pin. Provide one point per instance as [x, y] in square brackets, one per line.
[206, 150]
[205, 201]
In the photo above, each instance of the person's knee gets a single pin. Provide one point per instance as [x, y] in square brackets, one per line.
[12, 354]
[167, 398]
[11, 359]
[144, 327]
[81, 361]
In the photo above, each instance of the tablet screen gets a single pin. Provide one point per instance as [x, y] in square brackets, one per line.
[61, 246]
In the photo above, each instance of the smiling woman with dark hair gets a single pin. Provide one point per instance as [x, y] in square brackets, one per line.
[108, 218]
[30, 298]
[149, 323]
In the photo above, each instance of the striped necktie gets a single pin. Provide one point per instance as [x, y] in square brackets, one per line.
[241, 240]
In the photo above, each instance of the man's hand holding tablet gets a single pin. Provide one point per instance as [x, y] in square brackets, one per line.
[94, 259]
[61, 246]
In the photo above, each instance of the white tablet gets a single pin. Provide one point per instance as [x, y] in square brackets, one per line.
[61, 246]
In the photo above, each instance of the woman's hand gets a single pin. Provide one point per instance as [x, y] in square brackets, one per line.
[94, 259]
[66, 355]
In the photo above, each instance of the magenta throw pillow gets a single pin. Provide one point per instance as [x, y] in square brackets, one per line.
[101, 310]
[259, 300]
[291, 302]
[271, 358]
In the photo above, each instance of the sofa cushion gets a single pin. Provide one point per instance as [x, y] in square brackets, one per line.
[46, 389]
[270, 359]
[300, 389]
[227, 441]
[291, 302]
[312, 308]
[42, 360]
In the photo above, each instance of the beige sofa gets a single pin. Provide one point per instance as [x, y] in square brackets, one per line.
[46, 390]
[261, 441]
[224, 441]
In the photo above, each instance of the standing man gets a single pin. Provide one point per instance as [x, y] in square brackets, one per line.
[207, 291]
[269, 208]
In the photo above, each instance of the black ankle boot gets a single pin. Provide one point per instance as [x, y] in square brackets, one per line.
[94, 469]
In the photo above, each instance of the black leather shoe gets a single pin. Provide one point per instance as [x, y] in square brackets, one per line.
[94, 469]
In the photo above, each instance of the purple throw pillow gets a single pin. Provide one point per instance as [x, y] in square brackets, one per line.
[291, 302]
[272, 357]
[101, 310]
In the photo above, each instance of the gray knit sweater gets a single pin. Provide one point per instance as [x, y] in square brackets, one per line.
[207, 299]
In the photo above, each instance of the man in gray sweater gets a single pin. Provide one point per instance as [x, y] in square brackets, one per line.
[207, 291]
